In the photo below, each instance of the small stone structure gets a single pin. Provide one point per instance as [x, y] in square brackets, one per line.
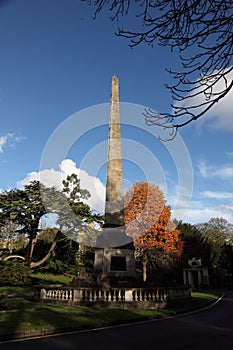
[196, 275]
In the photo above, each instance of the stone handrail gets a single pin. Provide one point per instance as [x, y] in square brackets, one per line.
[81, 295]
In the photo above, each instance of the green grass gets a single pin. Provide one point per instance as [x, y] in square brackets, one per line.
[198, 301]
[49, 316]
[37, 278]
[39, 316]
[15, 304]
[48, 278]
[16, 289]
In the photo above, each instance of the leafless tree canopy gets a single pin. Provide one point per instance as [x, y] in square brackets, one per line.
[201, 31]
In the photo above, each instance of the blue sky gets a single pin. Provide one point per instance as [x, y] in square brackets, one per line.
[56, 66]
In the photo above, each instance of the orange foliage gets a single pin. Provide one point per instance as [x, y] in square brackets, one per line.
[147, 219]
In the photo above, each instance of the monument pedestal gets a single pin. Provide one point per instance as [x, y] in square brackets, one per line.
[115, 267]
[114, 263]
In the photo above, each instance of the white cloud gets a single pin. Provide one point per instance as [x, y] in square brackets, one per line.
[217, 195]
[210, 171]
[225, 172]
[9, 140]
[196, 216]
[230, 154]
[3, 141]
[204, 206]
[203, 169]
[51, 177]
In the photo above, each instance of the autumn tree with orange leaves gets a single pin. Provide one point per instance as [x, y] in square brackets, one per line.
[147, 219]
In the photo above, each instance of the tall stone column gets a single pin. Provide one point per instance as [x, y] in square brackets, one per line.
[114, 204]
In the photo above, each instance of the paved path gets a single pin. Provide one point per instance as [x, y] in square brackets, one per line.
[208, 329]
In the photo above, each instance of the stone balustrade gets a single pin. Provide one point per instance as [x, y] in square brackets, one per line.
[114, 297]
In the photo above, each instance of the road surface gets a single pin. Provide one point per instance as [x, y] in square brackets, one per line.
[211, 328]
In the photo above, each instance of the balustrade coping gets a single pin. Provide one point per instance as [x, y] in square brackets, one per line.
[109, 288]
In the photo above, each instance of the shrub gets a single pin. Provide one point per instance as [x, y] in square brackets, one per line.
[13, 272]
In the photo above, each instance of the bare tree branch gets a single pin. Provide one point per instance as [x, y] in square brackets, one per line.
[201, 31]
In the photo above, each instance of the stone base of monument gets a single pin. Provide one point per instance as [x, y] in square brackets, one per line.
[115, 267]
[120, 298]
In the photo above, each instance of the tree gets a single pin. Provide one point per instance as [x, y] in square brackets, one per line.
[195, 245]
[83, 218]
[62, 258]
[218, 232]
[201, 31]
[212, 243]
[10, 239]
[26, 207]
[147, 220]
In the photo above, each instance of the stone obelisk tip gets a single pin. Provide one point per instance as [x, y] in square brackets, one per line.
[115, 89]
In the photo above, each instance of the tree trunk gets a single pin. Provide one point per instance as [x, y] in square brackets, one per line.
[47, 256]
[30, 248]
[144, 268]
[32, 241]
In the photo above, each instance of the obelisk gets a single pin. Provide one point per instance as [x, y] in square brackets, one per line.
[114, 259]
[114, 203]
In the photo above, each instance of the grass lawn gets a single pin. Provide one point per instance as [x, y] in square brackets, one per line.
[38, 316]
[38, 278]
[49, 278]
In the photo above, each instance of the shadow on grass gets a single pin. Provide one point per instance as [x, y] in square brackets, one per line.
[52, 318]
